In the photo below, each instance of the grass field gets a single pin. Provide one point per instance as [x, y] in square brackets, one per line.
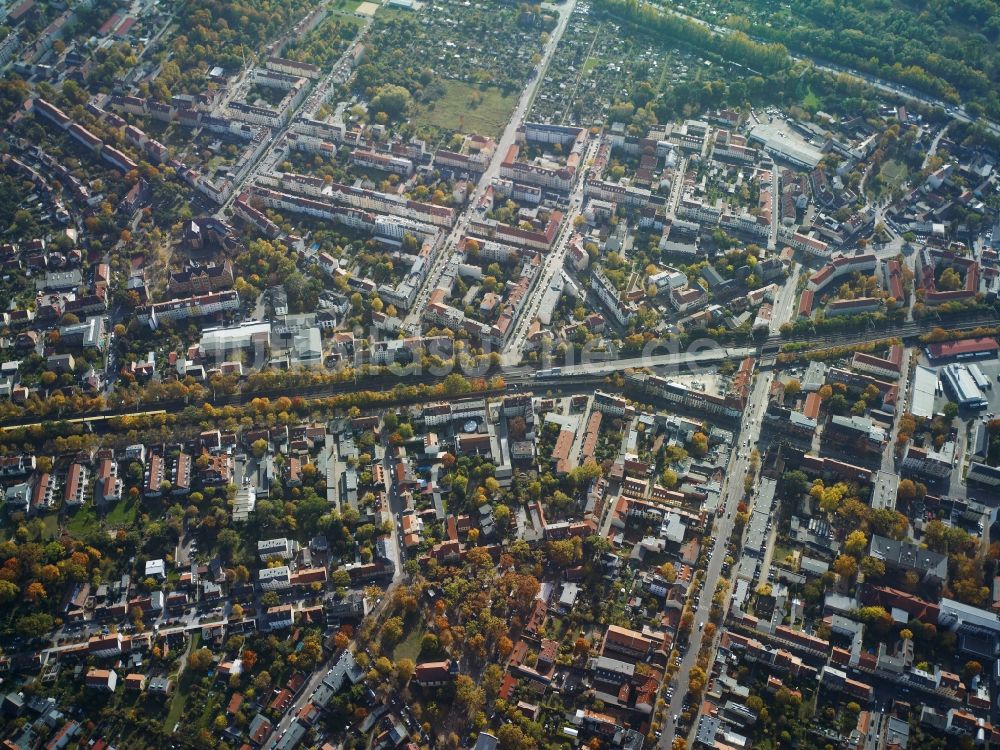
[409, 647]
[182, 688]
[387, 13]
[123, 514]
[811, 102]
[83, 521]
[455, 111]
[893, 172]
[345, 6]
[589, 64]
[177, 702]
[51, 524]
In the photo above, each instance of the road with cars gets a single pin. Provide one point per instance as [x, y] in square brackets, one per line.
[732, 493]
[552, 262]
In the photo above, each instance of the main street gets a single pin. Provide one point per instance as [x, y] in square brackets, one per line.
[784, 302]
[507, 139]
[740, 466]
[732, 494]
[552, 261]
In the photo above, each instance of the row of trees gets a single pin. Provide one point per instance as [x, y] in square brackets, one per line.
[765, 59]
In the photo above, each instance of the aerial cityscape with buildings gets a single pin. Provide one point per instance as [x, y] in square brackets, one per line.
[476, 375]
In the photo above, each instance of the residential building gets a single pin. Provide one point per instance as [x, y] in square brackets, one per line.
[108, 487]
[277, 549]
[905, 557]
[431, 674]
[928, 462]
[75, 488]
[105, 680]
[273, 579]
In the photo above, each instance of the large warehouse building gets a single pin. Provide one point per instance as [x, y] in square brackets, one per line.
[961, 387]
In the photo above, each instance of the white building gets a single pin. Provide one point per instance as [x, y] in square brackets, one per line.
[282, 548]
[223, 343]
[273, 579]
[156, 569]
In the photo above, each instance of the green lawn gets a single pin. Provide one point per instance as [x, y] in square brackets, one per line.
[177, 703]
[50, 521]
[780, 553]
[811, 102]
[345, 6]
[893, 172]
[83, 521]
[455, 110]
[385, 13]
[409, 647]
[589, 64]
[123, 514]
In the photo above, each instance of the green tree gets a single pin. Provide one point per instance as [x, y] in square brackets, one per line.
[34, 625]
[270, 599]
[340, 578]
[872, 567]
[469, 696]
[8, 591]
[200, 660]
[259, 448]
[392, 631]
[949, 281]
[391, 99]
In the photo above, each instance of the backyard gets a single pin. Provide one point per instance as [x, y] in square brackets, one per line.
[83, 521]
[181, 690]
[409, 647]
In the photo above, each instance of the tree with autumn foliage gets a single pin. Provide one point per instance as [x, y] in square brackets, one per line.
[686, 622]
[35, 592]
[200, 660]
[699, 444]
[697, 679]
[846, 567]
[504, 647]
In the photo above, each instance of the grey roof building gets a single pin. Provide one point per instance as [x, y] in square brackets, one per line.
[906, 556]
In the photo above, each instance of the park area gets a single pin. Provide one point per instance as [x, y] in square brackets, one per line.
[475, 61]
[466, 108]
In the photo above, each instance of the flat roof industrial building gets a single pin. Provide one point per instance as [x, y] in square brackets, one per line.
[924, 389]
[961, 387]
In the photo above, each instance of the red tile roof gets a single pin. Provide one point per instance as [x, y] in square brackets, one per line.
[947, 349]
